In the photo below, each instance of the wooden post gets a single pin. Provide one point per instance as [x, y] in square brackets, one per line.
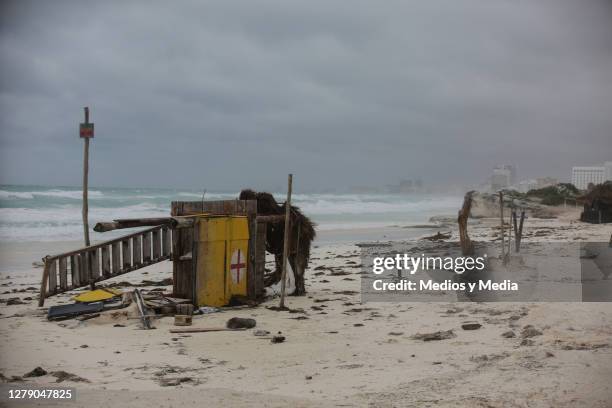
[43, 286]
[517, 238]
[467, 247]
[286, 240]
[509, 234]
[85, 182]
[520, 231]
[501, 218]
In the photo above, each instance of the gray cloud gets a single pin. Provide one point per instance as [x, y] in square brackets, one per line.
[230, 94]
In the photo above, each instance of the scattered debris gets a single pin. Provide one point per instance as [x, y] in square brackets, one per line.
[471, 326]
[202, 329]
[88, 316]
[509, 334]
[260, 333]
[396, 333]
[172, 382]
[66, 376]
[209, 309]
[581, 346]
[439, 335]
[37, 372]
[278, 338]
[97, 295]
[182, 320]
[438, 236]
[530, 331]
[350, 366]
[142, 310]
[338, 272]
[63, 312]
[346, 292]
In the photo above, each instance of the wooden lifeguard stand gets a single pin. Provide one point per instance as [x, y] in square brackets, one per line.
[177, 238]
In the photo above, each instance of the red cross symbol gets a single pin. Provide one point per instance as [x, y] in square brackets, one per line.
[236, 266]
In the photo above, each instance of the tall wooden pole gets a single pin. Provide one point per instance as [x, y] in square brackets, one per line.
[501, 218]
[286, 240]
[85, 183]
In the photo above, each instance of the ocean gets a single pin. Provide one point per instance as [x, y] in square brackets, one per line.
[37, 213]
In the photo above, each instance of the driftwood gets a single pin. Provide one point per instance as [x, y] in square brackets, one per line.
[467, 247]
[438, 236]
[142, 310]
[203, 330]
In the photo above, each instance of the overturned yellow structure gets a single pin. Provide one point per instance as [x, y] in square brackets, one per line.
[221, 254]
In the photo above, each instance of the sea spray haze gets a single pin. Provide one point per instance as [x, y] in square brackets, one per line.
[36, 213]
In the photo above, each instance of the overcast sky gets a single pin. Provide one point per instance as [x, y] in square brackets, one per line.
[226, 94]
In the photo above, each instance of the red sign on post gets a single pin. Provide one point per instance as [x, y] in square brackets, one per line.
[86, 130]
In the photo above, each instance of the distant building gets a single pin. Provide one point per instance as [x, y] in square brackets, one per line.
[582, 176]
[503, 177]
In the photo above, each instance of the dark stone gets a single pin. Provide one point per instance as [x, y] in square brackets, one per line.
[278, 339]
[37, 372]
[240, 323]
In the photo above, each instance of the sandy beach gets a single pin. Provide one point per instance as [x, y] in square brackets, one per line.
[338, 352]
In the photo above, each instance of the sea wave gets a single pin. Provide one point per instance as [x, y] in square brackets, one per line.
[46, 214]
[30, 195]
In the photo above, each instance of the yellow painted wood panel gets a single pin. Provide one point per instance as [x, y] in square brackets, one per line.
[222, 259]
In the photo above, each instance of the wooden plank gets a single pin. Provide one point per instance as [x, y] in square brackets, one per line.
[63, 273]
[137, 250]
[203, 330]
[85, 268]
[182, 273]
[116, 257]
[43, 285]
[176, 209]
[75, 268]
[131, 223]
[95, 264]
[260, 256]
[52, 288]
[166, 241]
[251, 294]
[146, 247]
[156, 243]
[126, 254]
[106, 264]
